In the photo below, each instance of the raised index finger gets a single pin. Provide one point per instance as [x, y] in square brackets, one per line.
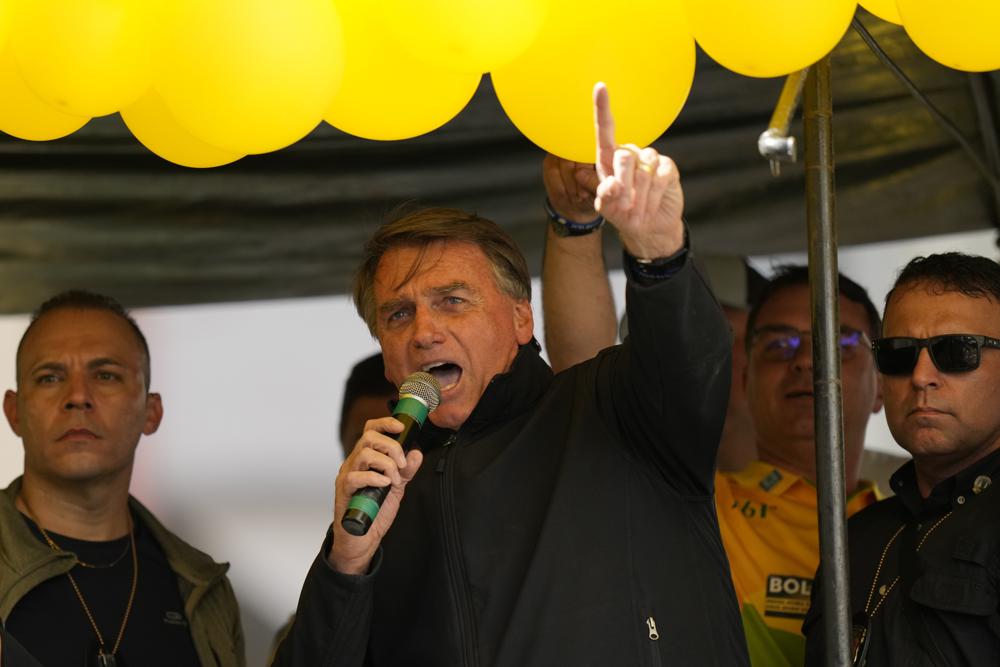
[604, 125]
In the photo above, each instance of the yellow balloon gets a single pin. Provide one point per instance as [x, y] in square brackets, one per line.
[151, 122]
[962, 34]
[472, 36]
[250, 76]
[84, 57]
[6, 17]
[884, 9]
[643, 50]
[766, 38]
[380, 80]
[25, 116]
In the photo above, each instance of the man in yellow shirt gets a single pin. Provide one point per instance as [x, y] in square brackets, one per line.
[767, 511]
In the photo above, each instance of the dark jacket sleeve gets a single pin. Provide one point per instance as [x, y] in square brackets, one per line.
[670, 377]
[332, 620]
[812, 626]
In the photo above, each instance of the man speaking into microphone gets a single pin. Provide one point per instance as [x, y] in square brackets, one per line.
[544, 520]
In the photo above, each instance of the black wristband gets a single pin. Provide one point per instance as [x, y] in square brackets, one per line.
[566, 227]
[647, 272]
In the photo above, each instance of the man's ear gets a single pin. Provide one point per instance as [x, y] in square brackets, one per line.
[879, 399]
[154, 413]
[524, 322]
[10, 410]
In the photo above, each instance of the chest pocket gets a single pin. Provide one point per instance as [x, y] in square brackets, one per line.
[966, 584]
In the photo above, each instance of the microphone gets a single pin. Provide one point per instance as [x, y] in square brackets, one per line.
[419, 395]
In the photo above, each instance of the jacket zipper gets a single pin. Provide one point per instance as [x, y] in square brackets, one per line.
[453, 556]
[654, 638]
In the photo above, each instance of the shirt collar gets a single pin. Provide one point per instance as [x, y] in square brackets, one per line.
[949, 494]
[769, 478]
[779, 482]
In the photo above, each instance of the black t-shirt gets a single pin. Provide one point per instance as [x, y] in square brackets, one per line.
[51, 624]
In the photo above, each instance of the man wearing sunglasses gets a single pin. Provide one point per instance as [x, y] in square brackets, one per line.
[925, 564]
[767, 511]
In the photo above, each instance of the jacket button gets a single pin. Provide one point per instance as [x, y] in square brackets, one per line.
[981, 484]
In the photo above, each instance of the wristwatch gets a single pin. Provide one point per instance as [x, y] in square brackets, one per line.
[648, 271]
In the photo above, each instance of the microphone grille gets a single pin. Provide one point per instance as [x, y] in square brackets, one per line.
[424, 386]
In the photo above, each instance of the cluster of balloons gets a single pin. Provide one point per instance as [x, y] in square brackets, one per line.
[765, 38]
[204, 82]
[201, 83]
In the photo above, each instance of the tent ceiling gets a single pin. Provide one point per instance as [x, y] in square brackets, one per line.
[96, 210]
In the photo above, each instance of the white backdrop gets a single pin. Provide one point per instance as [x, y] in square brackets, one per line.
[244, 462]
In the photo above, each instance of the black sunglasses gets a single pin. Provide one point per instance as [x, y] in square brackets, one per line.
[951, 353]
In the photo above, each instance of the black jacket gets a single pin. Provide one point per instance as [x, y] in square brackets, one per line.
[941, 573]
[570, 521]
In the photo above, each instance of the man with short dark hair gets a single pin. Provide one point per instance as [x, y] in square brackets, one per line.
[366, 396]
[562, 520]
[925, 564]
[779, 374]
[87, 574]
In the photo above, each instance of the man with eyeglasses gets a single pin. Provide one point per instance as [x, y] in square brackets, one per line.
[925, 564]
[767, 511]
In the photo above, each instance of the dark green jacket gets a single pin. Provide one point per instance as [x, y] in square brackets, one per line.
[209, 603]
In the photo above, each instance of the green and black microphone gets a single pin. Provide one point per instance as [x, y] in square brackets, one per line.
[419, 394]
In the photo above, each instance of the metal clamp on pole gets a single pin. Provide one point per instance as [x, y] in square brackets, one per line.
[774, 143]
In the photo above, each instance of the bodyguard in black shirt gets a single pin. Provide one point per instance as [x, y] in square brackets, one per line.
[925, 565]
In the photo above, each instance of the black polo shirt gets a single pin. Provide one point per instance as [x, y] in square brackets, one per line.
[936, 600]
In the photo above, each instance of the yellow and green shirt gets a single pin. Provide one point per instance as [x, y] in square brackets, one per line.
[769, 525]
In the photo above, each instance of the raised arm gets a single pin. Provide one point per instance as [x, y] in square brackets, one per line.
[669, 381]
[580, 318]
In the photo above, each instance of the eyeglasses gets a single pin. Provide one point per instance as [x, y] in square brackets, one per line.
[781, 343]
[951, 353]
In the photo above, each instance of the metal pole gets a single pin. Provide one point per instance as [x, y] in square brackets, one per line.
[817, 118]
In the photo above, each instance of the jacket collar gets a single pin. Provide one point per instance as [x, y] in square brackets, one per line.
[951, 493]
[20, 550]
[188, 563]
[23, 552]
[507, 396]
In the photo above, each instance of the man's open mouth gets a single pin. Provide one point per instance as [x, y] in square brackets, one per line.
[446, 373]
